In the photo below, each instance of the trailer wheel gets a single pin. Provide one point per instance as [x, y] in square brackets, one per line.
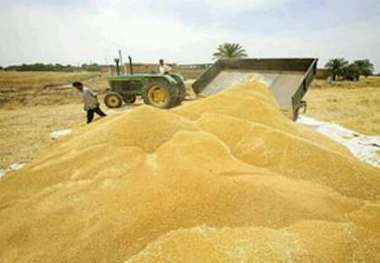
[113, 100]
[160, 94]
[129, 99]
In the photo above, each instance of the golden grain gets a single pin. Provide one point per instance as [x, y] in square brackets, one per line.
[219, 179]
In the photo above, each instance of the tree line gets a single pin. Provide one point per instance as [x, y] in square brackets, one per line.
[342, 69]
[54, 67]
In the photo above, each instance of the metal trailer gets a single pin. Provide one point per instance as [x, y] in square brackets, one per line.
[287, 78]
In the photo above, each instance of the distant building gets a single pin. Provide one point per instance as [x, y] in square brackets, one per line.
[195, 66]
[323, 73]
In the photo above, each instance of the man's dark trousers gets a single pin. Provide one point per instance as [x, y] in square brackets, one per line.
[90, 114]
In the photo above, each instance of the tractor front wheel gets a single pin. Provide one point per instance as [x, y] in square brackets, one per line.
[113, 100]
[160, 94]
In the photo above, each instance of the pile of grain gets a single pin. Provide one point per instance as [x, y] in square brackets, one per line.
[227, 178]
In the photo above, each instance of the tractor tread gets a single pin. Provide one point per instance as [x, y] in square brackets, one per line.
[171, 89]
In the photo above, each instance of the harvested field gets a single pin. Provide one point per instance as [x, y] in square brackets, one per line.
[25, 132]
[355, 105]
[27, 89]
[213, 179]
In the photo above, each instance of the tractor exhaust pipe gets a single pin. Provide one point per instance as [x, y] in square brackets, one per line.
[130, 65]
[117, 66]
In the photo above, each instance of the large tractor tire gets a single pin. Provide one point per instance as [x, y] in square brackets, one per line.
[129, 99]
[181, 92]
[181, 88]
[113, 100]
[160, 94]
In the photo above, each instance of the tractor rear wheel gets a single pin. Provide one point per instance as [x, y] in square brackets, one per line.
[181, 88]
[129, 99]
[181, 93]
[160, 94]
[113, 100]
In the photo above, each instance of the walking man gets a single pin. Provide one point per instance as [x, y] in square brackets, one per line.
[90, 101]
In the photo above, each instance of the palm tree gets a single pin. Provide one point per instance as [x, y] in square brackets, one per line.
[336, 66]
[230, 50]
[366, 68]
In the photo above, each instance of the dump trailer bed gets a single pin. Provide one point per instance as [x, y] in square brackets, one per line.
[288, 79]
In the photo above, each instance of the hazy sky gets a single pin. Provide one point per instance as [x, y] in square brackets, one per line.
[186, 31]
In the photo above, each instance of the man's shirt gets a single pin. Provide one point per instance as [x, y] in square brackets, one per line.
[165, 69]
[89, 99]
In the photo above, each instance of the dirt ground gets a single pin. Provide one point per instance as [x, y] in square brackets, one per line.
[25, 127]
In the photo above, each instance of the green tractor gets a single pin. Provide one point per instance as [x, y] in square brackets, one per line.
[161, 91]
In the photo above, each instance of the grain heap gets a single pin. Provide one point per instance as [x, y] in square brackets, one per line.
[225, 179]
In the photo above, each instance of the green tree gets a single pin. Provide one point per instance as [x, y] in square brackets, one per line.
[230, 50]
[336, 66]
[366, 68]
[351, 72]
